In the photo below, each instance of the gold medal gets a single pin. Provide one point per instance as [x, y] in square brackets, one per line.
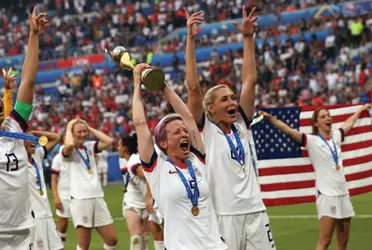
[90, 171]
[338, 167]
[195, 210]
[43, 141]
[41, 192]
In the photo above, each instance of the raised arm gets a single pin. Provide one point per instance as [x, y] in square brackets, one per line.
[145, 142]
[104, 142]
[195, 96]
[180, 107]
[69, 143]
[349, 123]
[53, 139]
[293, 133]
[9, 83]
[249, 73]
[31, 63]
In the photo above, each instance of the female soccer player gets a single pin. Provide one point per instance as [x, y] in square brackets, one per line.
[15, 213]
[44, 235]
[88, 208]
[156, 222]
[224, 126]
[134, 202]
[176, 174]
[61, 192]
[324, 147]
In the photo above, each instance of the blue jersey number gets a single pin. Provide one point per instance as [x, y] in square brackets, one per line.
[11, 158]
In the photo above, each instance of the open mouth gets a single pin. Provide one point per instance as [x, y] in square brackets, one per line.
[329, 124]
[231, 111]
[184, 145]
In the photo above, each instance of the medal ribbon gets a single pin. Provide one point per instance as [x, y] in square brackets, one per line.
[334, 153]
[238, 157]
[18, 135]
[127, 180]
[193, 197]
[37, 175]
[86, 161]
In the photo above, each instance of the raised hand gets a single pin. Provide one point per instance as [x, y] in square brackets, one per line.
[366, 106]
[265, 115]
[248, 24]
[37, 21]
[193, 21]
[9, 79]
[138, 70]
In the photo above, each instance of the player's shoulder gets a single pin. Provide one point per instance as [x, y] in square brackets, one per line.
[134, 159]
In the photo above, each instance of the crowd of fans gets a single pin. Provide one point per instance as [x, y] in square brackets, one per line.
[337, 70]
[86, 26]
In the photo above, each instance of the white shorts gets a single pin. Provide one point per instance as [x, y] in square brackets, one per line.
[156, 217]
[90, 213]
[15, 240]
[45, 235]
[338, 207]
[247, 231]
[65, 212]
[141, 212]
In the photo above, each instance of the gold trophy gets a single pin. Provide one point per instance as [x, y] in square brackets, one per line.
[153, 79]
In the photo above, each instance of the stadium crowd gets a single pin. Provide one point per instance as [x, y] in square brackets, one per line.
[85, 27]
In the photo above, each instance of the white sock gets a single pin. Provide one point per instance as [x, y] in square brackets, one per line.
[107, 247]
[135, 242]
[144, 242]
[159, 245]
[63, 237]
[104, 180]
[78, 248]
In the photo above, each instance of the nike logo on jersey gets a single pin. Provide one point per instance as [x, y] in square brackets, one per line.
[172, 172]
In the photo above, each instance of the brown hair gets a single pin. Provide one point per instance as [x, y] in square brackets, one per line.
[314, 119]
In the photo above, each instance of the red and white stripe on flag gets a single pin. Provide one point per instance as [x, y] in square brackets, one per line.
[292, 180]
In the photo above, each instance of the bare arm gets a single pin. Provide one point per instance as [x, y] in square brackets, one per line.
[249, 73]
[53, 139]
[293, 133]
[55, 187]
[349, 123]
[149, 200]
[104, 142]
[69, 143]
[180, 107]
[31, 63]
[145, 142]
[9, 83]
[195, 96]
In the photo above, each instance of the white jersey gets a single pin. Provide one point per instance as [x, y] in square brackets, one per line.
[83, 184]
[102, 160]
[182, 230]
[15, 208]
[64, 182]
[234, 188]
[136, 192]
[39, 202]
[328, 180]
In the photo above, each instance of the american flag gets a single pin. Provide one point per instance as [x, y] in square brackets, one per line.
[285, 172]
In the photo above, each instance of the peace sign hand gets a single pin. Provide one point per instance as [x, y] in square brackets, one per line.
[248, 24]
[192, 22]
[37, 21]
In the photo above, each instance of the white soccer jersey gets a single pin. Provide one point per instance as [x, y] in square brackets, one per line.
[15, 209]
[328, 180]
[83, 184]
[64, 182]
[234, 188]
[102, 160]
[136, 192]
[182, 230]
[39, 203]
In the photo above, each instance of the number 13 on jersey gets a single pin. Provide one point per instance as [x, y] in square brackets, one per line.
[12, 164]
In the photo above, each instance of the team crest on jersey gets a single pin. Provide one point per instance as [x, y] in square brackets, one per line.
[197, 172]
[90, 152]
[40, 244]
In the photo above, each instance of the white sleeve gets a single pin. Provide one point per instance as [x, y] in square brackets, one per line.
[308, 141]
[14, 123]
[56, 163]
[39, 154]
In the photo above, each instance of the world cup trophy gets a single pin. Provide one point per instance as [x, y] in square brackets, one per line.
[153, 79]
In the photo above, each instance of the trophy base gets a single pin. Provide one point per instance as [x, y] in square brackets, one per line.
[153, 79]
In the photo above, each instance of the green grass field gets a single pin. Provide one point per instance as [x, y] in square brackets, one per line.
[294, 227]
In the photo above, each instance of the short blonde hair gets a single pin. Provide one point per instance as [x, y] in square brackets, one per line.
[209, 98]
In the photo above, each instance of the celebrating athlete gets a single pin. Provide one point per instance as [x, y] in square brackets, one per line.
[176, 174]
[324, 147]
[44, 235]
[224, 126]
[88, 208]
[61, 192]
[15, 213]
[134, 202]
